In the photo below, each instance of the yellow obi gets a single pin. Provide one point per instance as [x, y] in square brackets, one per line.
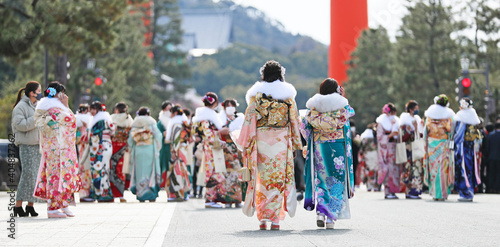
[142, 136]
[271, 112]
[438, 128]
[472, 133]
[328, 125]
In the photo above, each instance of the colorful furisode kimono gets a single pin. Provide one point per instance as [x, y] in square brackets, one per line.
[270, 135]
[179, 134]
[57, 179]
[389, 172]
[411, 174]
[83, 147]
[121, 155]
[144, 142]
[467, 142]
[438, 172]
[208, 122]
[368, 160]
[165, 151]
[233, 159]
[101, 149]
[328, 168]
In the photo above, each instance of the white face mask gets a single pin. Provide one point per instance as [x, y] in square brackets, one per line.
[230, 110]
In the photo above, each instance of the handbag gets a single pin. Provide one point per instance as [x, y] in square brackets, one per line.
[417, 147]
[401, 151]
[218, 154]
[245, 174]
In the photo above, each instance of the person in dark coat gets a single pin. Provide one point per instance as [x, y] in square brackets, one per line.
[492, 156]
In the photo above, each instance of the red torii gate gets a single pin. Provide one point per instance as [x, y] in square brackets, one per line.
[348, 19]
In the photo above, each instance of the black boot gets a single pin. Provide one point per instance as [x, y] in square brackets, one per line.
[18, 211]
[31, 210]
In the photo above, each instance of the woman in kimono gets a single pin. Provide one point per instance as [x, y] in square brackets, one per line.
[467, 139]
[270, 136]
[387, 133]
[144, 142]
[121, 156]
[83, 120]
[101, 149]
[438, 172]
[179, 135]
[58, 178]
[329, 168]
[368, 158]
[411, 126]
[207, 123]
[165, 151]
[231, 121]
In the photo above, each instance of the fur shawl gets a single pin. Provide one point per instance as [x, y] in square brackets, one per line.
[123, 120]
[83, 118]
[407, 119]
[236, 124]
[439, 112]
[178, 119]
[205, 113]
[386, 123]
[143, 121]
[164, 118]
[277, 89]
[367, 134]
[102, 115]
[327, 103]
[47, 103]
[468, 116]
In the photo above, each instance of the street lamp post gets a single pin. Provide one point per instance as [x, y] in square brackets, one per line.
[464, 63]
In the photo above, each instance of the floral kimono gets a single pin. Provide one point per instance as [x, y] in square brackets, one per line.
[208, 121]
[121, 155]
[368, 160]
[388, 172]
[467, 141]
[270, 135]
[179, 134]
[328, 168]
[57, 179]
[411, 174]
[101, 149]
[83, 148]
[233, 159]
[144, 142]
[438, 172]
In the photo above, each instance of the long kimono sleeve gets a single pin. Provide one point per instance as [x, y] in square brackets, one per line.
[158, 137]
[425, 164]
[295, 126]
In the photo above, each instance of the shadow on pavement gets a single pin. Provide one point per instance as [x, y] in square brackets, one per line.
[320, 232]
[260, 233]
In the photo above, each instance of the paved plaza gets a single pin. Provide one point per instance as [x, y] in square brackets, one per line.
[374, 222]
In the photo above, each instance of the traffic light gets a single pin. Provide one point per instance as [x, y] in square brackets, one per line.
[98, 81]
[466, 83]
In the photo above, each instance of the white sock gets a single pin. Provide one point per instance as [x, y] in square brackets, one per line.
[53, 211]
[328, 220]
[66, 210]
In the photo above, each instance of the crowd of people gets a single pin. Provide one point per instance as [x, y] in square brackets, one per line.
[248, 160]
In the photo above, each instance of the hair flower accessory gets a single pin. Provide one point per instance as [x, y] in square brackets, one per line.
[51, 92]
[386, 109]
[210, 99]
[464, 104]
[103, 106]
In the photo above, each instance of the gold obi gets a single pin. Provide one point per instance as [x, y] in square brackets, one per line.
[271, 112]
[471, 133]
[328, 125]
[142, 136]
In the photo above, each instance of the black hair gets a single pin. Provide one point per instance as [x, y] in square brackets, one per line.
[143, 111]
[228, 102]
[272, 71]
[177, 109]
[442, 100]
[328, 86]
[187, 112]
[210, 99]
[83, 107]
[55, 85]
[31, 86]
[411, 105]
[165, 104]
[96, 105]
[121, 107]
[392, 107]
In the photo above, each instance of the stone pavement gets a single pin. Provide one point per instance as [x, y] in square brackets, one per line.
[374, 222]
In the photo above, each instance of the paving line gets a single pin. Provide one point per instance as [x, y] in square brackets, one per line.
[160, 229]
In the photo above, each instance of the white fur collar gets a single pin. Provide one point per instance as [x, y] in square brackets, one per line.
[468, 116]
[87, 118]
[47, 103]
[407, 119]
[123, 120]
[387, 123]
[143, 121]
[367, 134]
[164, 118]
[205, 113]
[327, 103]
[178, 119]
[237, 123]
[277, 89]
[102, 115]
[439, 112]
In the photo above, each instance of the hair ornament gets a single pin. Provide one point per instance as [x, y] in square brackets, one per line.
[103, 106]
[51, 92]
[464, 104]
[386, 109]
[210, 99]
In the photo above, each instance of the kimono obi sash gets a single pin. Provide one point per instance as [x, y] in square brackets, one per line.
[438, 128]
[328, 125]
[271, 112]
[471, 133]
[142, 136]
[121, 134]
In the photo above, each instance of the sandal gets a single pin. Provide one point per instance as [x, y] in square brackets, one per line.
[56, 214]
[275, 227]
[320, 220]
[263, 225]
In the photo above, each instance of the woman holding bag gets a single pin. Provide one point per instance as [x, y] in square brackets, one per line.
[412, 130]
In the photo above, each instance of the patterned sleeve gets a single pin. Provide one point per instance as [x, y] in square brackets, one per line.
[295, 126]
[249, 129]
[208, 132]
[305, 126]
